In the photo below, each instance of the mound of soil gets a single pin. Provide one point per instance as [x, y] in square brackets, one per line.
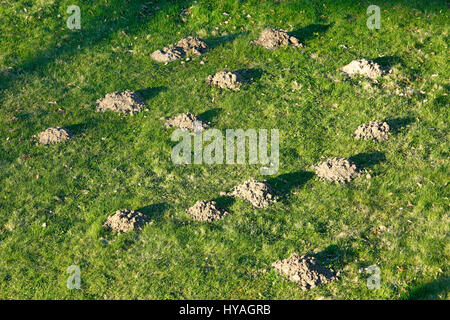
[363, 67]
[337, 170]
[184, 47]
[167, 55]
[258, 193]
[274, 38]
[186, 121]
[126, 220]
[54, 135]
[226, 80]
[206, 211]
[128, 102]
[304, 270]
[376, 130]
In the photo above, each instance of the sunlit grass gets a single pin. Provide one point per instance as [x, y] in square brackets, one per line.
[397, 220]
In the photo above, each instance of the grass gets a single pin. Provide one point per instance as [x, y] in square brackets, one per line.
[397, 220]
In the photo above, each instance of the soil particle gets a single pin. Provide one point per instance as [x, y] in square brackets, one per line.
[187, 46]
[187, 121]
[363, 67]
[337, 170]
[54, 135]
[206, 211]
[226, 80]
[274, 38]
[376, 130]
[304, 270]
[127, 102]
[126, 220]
[258, 193]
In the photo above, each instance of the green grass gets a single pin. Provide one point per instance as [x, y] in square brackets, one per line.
[57, 75]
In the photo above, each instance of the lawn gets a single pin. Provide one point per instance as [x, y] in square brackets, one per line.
[54, 199]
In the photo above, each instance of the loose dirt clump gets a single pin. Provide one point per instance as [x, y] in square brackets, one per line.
[187, 46]
[304, 270]
[128, 102]
[126, 220]
[54, 135]
[167, 55]
[337, 170]
[274, 38]
[258, 193]
[363, 67]
[206, 211]
[226, 80]
[376, 130]
[187, 121]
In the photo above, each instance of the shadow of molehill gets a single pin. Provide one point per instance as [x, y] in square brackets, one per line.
[210, 115]
[396, 124]
[149, 93]
[250, 74]
[308, 32]
[284, 183]
[429, 290]
[442, 101]
[335, 255]
[214, 42]
[366, 160]
[224, 202]
[388, 61]
[155, 211]
[24, 116]
[79, 128]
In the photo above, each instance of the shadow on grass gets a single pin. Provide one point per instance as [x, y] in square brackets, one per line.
[149, 93]
[224, 202]
[210, 115]
[310, 31]
[285, 183]
[442, 101]
[79, 128]
[388, 61]
[95, 29]
[397, 124]
[251, 74]
[430, 290]
[154, 211]
[222, 40]
[366, 160]
[335, 255]
[24, 116]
